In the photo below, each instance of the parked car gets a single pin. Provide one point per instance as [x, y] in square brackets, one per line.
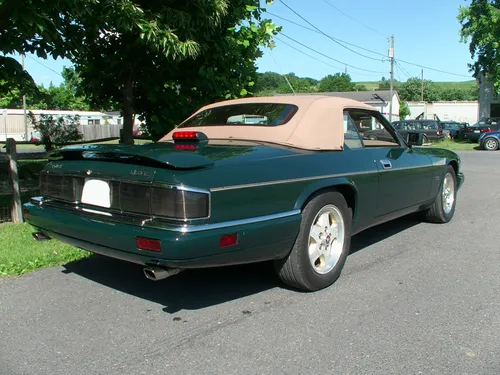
[484, 125]
[291, 190]
[431, 129]
[451, 128]
[490, 141]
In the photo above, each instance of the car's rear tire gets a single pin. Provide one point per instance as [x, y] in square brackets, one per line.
[443, 208]
[322, 245]
[490, 144]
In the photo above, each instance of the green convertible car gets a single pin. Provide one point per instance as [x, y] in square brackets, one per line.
[281, 179]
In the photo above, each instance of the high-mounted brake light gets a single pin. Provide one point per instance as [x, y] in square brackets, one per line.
[185, 135]
[186, 147]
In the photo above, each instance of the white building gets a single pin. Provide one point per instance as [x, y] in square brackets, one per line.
[460, 111]
[109, 123]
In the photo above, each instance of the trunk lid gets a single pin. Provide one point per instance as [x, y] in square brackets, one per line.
[153, 154]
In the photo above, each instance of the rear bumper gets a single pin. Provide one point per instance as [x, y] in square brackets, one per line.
[271, 237]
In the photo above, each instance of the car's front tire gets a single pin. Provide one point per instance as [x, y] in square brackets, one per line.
[490, 144]
[322, 245]
[443, 208]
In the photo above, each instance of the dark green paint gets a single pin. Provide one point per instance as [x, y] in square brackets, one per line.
[249, 181]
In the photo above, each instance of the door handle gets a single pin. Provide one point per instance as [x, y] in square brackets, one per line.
[386, 164]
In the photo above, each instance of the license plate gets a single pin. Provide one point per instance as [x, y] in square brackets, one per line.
[96, 193]
[477, 131]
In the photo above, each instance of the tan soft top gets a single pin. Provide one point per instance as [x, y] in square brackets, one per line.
[317, 125]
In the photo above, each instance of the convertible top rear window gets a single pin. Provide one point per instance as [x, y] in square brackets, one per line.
[248, 114]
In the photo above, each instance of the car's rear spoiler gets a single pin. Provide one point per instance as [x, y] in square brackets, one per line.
[160, 154]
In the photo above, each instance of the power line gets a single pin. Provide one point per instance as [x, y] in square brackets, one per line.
[330, 58]
[336, 40]
[316, 59]
[328, 36]
[284, 75]
[397, 72]
[319, 32]
[348, 16]
[59, 74]
[436, 70]
[403, 70]
[305, 53]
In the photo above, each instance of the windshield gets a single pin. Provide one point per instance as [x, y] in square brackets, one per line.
[248, 114]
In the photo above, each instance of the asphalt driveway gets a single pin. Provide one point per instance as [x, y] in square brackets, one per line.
[413, 298]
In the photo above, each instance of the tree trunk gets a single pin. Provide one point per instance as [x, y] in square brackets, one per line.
[126, 135]
[16, 212]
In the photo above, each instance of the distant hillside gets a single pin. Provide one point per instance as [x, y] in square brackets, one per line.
[465, 85]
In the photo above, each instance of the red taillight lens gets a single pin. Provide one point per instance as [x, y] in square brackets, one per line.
[438, 132]
[487, 130]
[468, 130]
[148, 244]
[228, 240]
[185, 135]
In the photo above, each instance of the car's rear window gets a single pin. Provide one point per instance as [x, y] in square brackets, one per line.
[247, 114]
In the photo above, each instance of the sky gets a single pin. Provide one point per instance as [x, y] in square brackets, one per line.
[425, 33]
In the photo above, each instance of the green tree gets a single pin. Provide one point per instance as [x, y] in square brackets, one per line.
[208, 53]
[411, 90]
[55, 131]
[404, 110]
[481, 28]
[385, 84]
[337, 82]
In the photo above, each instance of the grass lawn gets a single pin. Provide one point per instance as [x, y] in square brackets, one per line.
[20, 253]
[456, 146]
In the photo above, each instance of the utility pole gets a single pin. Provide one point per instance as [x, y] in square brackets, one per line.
[24, 108]
[345, 70]
[422, 97]
[391, 56]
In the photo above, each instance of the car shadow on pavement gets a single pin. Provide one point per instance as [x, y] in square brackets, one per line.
[189, 290]
[201, 288]
[383, 231]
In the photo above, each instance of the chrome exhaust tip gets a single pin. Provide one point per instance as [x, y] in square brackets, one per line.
[158, 273]
[40, 236]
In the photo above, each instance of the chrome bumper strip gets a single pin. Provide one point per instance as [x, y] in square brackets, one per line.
[155, 222]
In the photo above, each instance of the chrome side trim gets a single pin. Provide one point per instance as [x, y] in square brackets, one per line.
[312, 178]
[162, 225]
[234, 223]
[292, 180]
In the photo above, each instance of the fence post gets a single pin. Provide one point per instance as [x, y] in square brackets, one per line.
[16, 212]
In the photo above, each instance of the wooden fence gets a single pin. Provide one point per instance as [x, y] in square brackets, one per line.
[93, 132]
[13, 126]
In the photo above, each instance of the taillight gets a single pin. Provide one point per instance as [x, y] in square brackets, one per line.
[189, 136]
[161, 200]
[487, 130]
[185, 135]
[438, 132]
[179, 204]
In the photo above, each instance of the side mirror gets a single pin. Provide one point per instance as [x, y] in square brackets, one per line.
[415, 139]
